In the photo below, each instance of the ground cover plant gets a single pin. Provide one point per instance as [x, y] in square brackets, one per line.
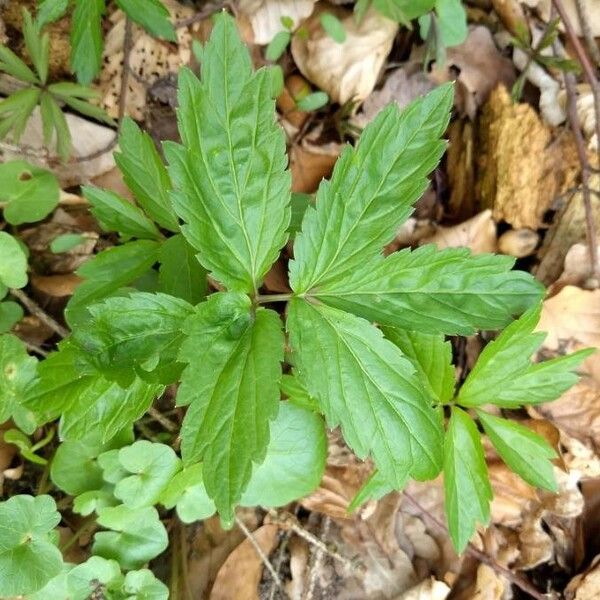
[360, 343]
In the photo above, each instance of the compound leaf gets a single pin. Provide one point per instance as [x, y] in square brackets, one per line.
[504, 374]
[467, 487]
[114, 213]
[28, 557]
[432, 357]
[152, 466]
[524, 451]
[145, 174]
[152, 15]
[365, 384]
[371, 192]
[86, 39]
[436, 291]
[232, 385]
[136, 333]
[138, 535]
[233, 189]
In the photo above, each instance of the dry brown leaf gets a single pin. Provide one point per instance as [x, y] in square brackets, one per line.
[481, 68]
[489, 585]
[150, 60]
[56, 286]
[310, 163]
[572, 317]
[240, 574]
[578, 266]
[265, 15]
[429, 589]
[568, 228]
[401, 86]
[521, 167]
[346, 71]
[518, 242]
[586, 585]
[478, 234]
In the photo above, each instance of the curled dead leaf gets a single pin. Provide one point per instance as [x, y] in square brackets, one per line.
[429, 589]
[478, 234]
[578, 266]
[265, 16]
[481, 68]
[572, 317]
[240, 574]
[310, 162]
[346, 71]
[518, 242]
[586, 585]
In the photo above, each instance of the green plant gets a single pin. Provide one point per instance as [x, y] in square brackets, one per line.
[225, 202]
[16, 110]
[86, 27]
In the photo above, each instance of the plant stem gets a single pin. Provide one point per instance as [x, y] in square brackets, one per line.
[264, 299]
[77, 533]
[35, 309]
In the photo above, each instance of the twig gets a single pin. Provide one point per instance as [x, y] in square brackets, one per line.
[127, 47]
[588, 68]
[35, 348]
[574, 122]
[35, 309]
[289, 521]
[209, 9]
[518, 580]
[584, 20]
[317, 561]
[263, 557]
[164, 421]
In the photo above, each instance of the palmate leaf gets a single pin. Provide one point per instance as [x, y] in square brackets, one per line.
[233, 189]
[467, 488]
[504, 374]
[364, 384]
[371, 192]
[232, 386]
[435, 291]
